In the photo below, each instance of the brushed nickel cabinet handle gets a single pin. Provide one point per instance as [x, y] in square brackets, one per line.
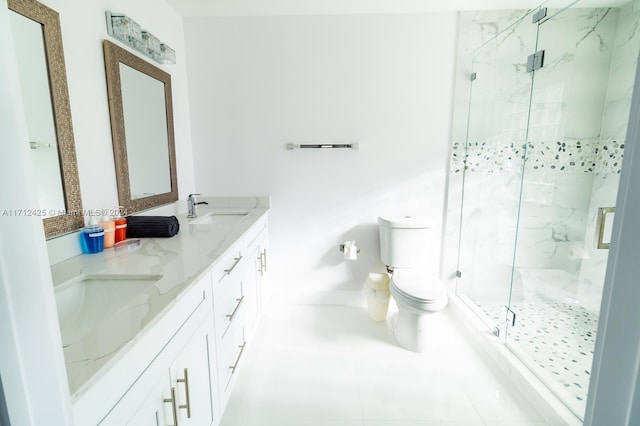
[235, 364]
[233, 313]
[237, 260]
[601, 224]
[186, 406]
[264, 255]
[174, 409]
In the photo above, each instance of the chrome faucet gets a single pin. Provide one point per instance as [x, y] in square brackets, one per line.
[191, 205]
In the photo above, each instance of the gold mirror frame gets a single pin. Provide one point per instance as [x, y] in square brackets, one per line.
[73, 218]
[113, 57]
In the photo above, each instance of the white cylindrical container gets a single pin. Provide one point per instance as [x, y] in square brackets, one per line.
[376, 288]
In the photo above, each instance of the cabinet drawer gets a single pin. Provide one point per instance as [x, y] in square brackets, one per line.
[227, 305]
[230, 353]
[228, 267]
[228, 296]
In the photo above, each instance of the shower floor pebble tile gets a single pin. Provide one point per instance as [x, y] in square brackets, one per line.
[330, 365]
[559, 337]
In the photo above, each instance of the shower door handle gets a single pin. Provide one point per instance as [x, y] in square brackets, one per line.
[601, 226]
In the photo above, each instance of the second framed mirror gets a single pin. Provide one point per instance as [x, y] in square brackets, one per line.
[140, 104]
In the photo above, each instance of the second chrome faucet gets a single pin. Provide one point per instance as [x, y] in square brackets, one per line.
[191, 205]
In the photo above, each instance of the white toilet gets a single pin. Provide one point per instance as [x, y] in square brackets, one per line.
[419, 294]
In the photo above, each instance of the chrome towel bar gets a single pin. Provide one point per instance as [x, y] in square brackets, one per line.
[292, 146]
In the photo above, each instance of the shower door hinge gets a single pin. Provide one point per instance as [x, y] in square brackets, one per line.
[473, 76]
[458, 274]
[539, 15]
[535, 61]
[510, 317]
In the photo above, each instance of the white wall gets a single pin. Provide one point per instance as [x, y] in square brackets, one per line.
[385, 81]
[83, 30]
[35, 386]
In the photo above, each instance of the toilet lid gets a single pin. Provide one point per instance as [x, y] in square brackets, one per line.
[404, 221]
[419, 286]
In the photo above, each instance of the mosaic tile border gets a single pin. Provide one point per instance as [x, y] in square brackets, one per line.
[603, 157]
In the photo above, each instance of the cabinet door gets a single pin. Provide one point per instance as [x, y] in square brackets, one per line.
[250, 289]
[153, 411]
[263, 274]
[144, 404]
[190, 375]
[254, 280]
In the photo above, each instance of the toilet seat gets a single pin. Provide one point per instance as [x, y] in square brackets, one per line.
[418, 289]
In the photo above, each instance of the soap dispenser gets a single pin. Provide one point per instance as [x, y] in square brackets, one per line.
[109, 231]
[92, 237]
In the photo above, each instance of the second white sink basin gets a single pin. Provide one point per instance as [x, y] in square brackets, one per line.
[85, 300]
[226, 218]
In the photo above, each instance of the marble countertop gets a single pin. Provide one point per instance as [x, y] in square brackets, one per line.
[97, 333]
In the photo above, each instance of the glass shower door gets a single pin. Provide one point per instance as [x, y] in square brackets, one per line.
[493, 162]
[571, 171]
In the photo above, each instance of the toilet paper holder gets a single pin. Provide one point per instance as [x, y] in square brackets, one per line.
[342, 248]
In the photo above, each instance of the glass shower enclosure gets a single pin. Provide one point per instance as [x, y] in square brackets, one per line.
[542, 107]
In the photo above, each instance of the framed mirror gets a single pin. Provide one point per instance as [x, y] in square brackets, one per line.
[43, 81]
[141, 111]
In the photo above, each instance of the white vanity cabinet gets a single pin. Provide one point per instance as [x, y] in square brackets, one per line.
[255, 281]
[175, 388]
[151, 412]
[190, 377]
[180, 370]
[237, 303]
[181, 395]
[229, 307]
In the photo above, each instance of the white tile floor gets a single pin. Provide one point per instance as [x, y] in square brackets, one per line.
[330, 365]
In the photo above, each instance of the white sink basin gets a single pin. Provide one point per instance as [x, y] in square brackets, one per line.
[225, 218]
[85, 300]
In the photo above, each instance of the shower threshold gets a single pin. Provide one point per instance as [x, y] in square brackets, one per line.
[535, 385]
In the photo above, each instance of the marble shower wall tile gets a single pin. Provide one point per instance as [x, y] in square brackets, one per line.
[622, 76]
[569, 91]
[609, 157]
[476, 29]
[594, 262]
[500, 93]
[488, 225]
[553, 218]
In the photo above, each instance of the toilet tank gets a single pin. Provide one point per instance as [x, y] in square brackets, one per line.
[404, 241]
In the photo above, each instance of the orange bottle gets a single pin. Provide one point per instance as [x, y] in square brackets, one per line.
[121, 229]
[109, 232]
